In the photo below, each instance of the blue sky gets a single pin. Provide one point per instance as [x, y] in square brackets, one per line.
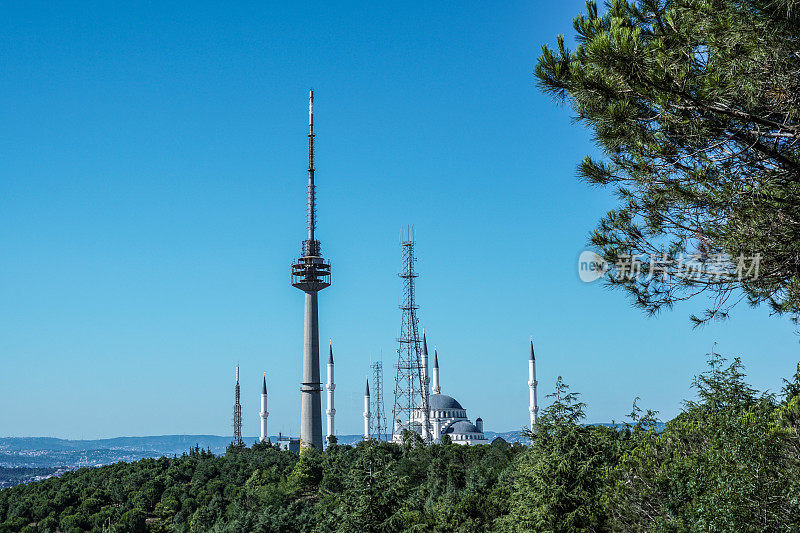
[152, 181]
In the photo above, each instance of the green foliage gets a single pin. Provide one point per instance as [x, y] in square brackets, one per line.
[307, 472]
[696, 107]
[729, 462]
[559, 480]
[370, 487]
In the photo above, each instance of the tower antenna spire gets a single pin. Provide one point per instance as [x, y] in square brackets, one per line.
[312, 191]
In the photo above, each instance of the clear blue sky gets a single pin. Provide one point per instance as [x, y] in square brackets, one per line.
[152, 181]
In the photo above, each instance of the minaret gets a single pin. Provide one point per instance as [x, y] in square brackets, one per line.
[264, 414]
[311, 274]
[331, 412]
[425, 417]
[367, 414]
[237, 413]
[425, 379]
[435, 373]
[532, 383]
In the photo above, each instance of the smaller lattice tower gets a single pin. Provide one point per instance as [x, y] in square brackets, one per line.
[410, 409]
[378, 413]
[237, 414]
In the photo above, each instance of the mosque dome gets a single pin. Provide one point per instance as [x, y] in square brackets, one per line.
[462, 427]
[443, 401]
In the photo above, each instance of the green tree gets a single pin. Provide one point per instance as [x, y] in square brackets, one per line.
[696, 107]
[559, 479]
[791, 387]
[133, 521]
[373, 491]
[307, 473]
[727, 463]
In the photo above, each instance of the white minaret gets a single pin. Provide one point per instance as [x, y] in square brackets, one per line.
[532, 383]
[425, 379]
[435, 373]
[331, 412]
[427, 388]
[264, 413]
[367, 414]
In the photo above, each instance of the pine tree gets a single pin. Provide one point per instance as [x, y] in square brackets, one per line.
[373, 491]
[559, 479]
[696, 107]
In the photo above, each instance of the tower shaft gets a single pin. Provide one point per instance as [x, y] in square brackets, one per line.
[311, 387]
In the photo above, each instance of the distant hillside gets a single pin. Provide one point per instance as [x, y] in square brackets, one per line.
[24, 459]
[47, 452]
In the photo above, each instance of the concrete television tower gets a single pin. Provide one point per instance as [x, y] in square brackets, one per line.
[311, 274]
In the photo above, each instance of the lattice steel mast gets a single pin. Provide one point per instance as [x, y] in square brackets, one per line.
[237, 414]
[311, 274]
[411, 409]
[378, 412]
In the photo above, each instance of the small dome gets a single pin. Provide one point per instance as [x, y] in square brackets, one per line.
[443, 401]
[500, 441]
[461, 427]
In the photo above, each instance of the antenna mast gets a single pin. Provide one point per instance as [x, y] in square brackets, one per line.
[237, 414]
[411, 409]
[378, 411]
[311, 208]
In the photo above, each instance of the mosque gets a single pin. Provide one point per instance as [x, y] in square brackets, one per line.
[446, 415]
